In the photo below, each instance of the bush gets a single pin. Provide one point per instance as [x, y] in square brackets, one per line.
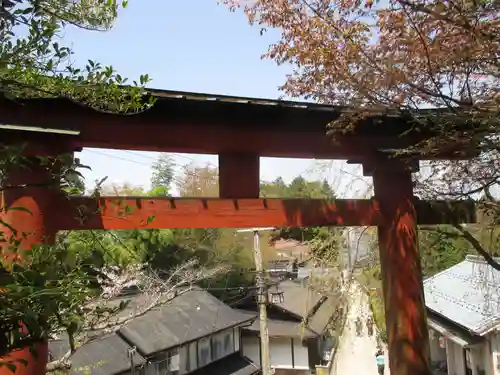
[377, 307]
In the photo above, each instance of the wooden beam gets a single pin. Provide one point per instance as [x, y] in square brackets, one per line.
[239, 176]
[148, 213]
[209, 127]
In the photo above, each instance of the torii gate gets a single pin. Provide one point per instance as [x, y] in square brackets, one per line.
[239, 131]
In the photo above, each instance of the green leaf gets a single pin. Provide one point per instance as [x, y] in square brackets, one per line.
[8, 226]
[12, 367]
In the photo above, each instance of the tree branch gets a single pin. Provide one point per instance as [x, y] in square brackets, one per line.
[156, 291]
[478, 247]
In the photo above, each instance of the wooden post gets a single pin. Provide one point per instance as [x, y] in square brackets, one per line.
[408, 335]
[262, 302]
[30, 187]
[239, 176]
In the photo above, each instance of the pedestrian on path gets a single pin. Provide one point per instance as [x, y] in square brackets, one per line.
[359, 326]
[369, 325]
[380, 359]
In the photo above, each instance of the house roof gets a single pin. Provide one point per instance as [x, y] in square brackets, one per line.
[234, 364]
[451, 331]
[104, 356]
[298, 298]
[280, 328]
[318, 322]
[303, 303]
[466, 294]
[188, 317]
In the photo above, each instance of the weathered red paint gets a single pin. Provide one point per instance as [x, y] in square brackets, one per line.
[401, 271]
[28, 201]
[214, 127]
[134, 212]
[36, 359]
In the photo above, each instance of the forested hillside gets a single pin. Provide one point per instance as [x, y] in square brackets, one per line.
[163, 249]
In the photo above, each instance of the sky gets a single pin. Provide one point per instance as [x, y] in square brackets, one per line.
[196, 46]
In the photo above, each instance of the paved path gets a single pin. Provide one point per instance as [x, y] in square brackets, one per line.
[356, 355]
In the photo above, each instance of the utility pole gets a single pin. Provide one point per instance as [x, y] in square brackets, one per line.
[262, 287]
[349, 249]
[131, 354]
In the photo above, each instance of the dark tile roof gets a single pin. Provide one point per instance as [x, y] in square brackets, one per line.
[104, 356]
[303, 303]
[318, 322]
[234, 364]
[188, 317]
[280, 328]
[298, 298]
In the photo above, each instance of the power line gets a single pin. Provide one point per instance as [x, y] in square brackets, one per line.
[144, 164]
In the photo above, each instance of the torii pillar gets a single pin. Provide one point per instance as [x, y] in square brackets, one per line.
[29, 198]
[405, 313]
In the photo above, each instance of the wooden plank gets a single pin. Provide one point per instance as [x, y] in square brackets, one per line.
[148, 213]
[239, 176]
[207, 127]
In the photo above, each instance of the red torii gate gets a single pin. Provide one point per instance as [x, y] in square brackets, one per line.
[239, 131]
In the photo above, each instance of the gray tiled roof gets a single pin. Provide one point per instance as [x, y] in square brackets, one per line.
[325, 313]
[298, 298]
[188, 317]
[467, 294]
[105, 356]
[280, 328]
[234, 364]
[302, 302]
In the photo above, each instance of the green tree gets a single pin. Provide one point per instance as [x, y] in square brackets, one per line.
[35, 64]
[324, 241]
[46, 292]
[275, 189]
[299, 188]
[425, 54]
[163, 175]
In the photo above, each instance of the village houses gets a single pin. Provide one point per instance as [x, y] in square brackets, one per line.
[463, 311]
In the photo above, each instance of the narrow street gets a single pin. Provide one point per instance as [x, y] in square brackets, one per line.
[356, 355]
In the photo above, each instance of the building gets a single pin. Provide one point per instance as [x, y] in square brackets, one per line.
[463, 305]
[289, 249]
[298, 320]
[194, 333]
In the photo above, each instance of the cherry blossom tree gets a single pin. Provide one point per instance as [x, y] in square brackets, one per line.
[154, 289]
[435, 63]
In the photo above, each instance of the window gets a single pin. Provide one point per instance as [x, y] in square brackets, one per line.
[222, 344]
[193, 356]
[204, 352]
[173, 362]
[217, 349]
[161, 364]
[166, 363]
[236, 339]
[228, 342]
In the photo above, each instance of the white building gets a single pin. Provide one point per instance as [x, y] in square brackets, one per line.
[463, 305]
